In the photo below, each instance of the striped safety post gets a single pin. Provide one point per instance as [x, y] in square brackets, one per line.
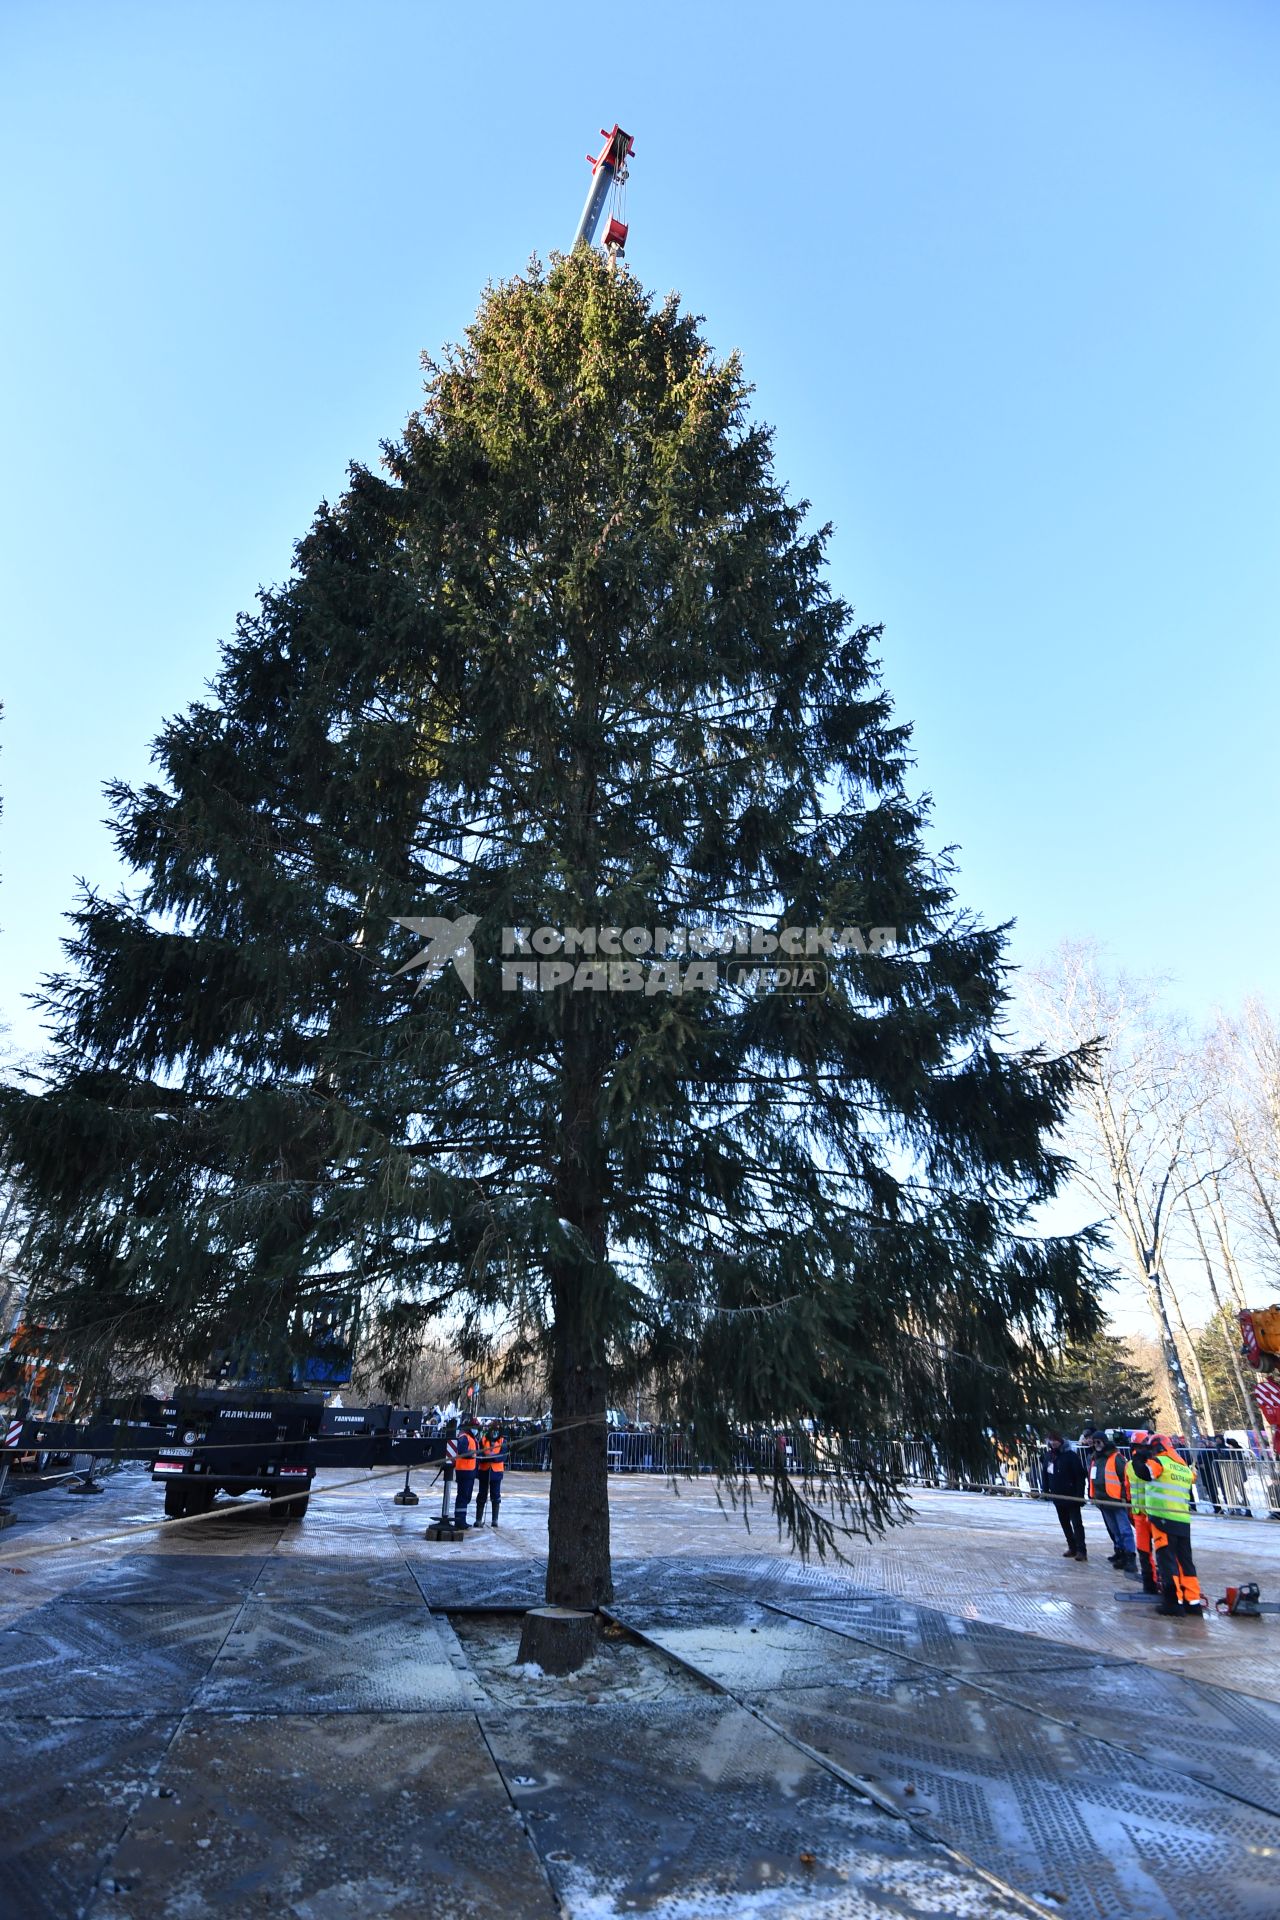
[13, 1434]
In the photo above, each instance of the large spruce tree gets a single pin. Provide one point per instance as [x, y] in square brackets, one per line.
[569, 661]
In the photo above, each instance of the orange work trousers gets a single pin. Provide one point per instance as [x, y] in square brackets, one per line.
[1176, 1570]
[1143, 1544]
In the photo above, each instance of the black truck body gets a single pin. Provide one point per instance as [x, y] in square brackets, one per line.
[241, 1441]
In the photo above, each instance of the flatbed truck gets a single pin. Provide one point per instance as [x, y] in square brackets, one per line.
[204, 1440]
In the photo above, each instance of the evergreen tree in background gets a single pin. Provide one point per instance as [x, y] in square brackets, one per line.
[1097, 1384]
[570, 661]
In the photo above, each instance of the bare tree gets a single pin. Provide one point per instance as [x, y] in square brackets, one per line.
[1131, 1135]
[1243, 1061]
[1235, 1144]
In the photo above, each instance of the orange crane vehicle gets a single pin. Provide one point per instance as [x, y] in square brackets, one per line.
[35, 1381]
[1260, 1341]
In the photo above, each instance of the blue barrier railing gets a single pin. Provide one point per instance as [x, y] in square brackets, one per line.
[1229, 1481]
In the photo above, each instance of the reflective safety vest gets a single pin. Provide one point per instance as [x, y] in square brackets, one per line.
[493, 1453]
[1104, 1477]
[1136, 1490]
[1168, 1493]
[466, 1460]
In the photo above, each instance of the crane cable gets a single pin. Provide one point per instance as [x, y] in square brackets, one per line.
[618, 201]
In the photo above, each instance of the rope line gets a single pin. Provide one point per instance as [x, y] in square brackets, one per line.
[169, 1526]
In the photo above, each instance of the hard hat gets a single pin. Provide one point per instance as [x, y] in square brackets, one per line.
[1140, 1438]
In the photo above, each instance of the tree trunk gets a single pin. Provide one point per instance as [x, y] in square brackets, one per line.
[1173, 1362]
[1175, 1378]
[1188, 1347]
[559, 1639]
[578, 1569]
[1246, 1399]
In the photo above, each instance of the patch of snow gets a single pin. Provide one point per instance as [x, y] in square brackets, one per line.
[870, 1888]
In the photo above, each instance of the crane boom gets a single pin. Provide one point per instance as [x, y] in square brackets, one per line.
[608, 169]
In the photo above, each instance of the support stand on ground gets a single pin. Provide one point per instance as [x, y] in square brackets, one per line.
[87, 1484]
[406, 1497]
[443, 1528]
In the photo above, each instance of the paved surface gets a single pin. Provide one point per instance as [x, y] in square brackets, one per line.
[230, 1716]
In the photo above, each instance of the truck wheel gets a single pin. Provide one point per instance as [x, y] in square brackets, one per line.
[203, 1497]
[295, 1508]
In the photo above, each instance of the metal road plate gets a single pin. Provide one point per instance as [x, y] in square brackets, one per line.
[670, 1583]
[760, 1652]
[301, 1656]
[334, 1540]
[108, 1659]
[338, 1817]
[357, 1582]
[962, 1646]
[829, 1598]
[1049, 1810]
[1208, 1733]
[164, 1579]
[514, 1583]
[700, 1809]
[66, 1789]
[1231, 1669]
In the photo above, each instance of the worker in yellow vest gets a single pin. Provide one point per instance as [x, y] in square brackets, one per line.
[489, 1470]
[464, 1468]
[1167, 1503]
[1137, 1491]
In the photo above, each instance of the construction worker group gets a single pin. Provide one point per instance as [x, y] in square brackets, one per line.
[478, 1459]
[1144, 1495]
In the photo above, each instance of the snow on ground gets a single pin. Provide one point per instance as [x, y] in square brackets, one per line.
[873, 1890]
[622, 1670]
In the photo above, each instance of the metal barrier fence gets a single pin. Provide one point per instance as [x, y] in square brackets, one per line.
[1228, 1480]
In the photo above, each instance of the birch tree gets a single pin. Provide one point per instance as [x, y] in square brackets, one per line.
[1131, 1133]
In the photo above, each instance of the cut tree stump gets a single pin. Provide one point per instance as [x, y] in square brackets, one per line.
[558, 1639]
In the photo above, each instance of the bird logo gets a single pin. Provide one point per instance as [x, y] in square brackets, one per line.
[449, 944]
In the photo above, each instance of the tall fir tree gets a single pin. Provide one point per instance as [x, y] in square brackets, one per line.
[569, 661]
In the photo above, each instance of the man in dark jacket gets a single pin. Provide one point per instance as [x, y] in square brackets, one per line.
[1064, 1480]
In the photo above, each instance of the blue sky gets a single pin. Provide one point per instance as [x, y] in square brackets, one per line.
[1004, 276]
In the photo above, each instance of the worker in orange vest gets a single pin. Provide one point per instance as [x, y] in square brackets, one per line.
[1107, 1492]
[493, 1458]
[464, 1468]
